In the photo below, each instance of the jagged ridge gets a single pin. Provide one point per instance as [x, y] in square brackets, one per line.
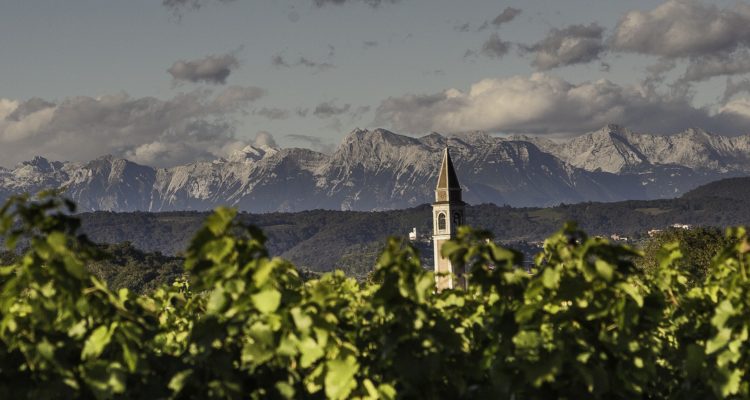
[378, 169]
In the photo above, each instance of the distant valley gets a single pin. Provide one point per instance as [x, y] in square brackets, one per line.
[382, 170]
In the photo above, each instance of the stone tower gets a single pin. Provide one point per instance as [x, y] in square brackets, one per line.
[447, 215]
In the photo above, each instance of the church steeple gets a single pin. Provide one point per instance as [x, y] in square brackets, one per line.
[448, 189]
[447, 215]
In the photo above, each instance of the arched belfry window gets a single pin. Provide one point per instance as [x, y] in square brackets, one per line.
[441, 222]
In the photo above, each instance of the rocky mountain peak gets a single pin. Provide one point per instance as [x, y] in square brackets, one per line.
[695, 134]
[40, 164]
[250, 153]
[364, 146]
[477, 138]
[379, 169]
[378, 135]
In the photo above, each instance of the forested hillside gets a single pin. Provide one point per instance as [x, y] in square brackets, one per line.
[323, 240]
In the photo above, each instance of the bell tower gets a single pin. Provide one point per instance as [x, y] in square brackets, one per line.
[447, 216]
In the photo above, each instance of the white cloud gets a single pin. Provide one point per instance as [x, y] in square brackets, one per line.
[263, 138]
[738, 107]
[189, 126]
[574, 44]
[683, 28]
[542, 103]
[7, 106]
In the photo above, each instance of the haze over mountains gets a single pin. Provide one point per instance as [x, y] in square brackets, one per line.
[378, 169]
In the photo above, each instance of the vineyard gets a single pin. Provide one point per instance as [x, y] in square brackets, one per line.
[587, 322]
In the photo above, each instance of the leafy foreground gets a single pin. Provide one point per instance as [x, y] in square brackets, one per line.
[586, 323]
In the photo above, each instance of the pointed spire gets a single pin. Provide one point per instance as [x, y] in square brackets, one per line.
[448, 188]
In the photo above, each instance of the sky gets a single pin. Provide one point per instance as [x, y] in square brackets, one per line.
[168, 82]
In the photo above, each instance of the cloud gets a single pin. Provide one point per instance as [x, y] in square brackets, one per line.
[187, 127]
[264, 138]
[706, 67]
[312, 64]
[509, 14]
[371, 3]
[28, 107]
[178, 7]
[359, 112]
[574, 44]
[494, 47]
[235, 97]
[314, 143]
[436, 72]
[272, 113]
[658, 70]
[465, 27]
[328, 109]
[369, 43]
[212, 69]
[734, 88]
[279, 61]
[683, 28]
[542, 103]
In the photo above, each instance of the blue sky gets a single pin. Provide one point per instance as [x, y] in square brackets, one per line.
[84, 78]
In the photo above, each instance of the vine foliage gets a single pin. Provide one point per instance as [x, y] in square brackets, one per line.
[586, 322]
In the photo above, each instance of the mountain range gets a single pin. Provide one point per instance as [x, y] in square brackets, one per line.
[378, 170]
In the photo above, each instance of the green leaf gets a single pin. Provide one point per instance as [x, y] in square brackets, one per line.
[604, 269]
[718, 341]
[311, 352]
[46, 349]
[97, 341]
[58, 242]
[631, 291]
[130, 356]
[527, 339]
[267, 301]
[449, 248]
[724, 311]
[286, 390]
[7, 270]
[217, 301]
[550, 278]
[339, 381]
[732, 383]
[219, 221]
[105, 378]
[178, 380]
[301, 320]
[263, 272]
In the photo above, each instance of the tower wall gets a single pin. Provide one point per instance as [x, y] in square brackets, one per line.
[443, 267]
[447, 216]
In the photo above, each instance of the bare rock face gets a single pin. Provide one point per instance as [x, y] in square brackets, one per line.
[615, 149]
[378, 169]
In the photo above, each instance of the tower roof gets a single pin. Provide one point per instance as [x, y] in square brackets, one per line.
[448, 189]
[447, 178]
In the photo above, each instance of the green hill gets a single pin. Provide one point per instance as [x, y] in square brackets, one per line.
[733, 188]
[321, 240]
